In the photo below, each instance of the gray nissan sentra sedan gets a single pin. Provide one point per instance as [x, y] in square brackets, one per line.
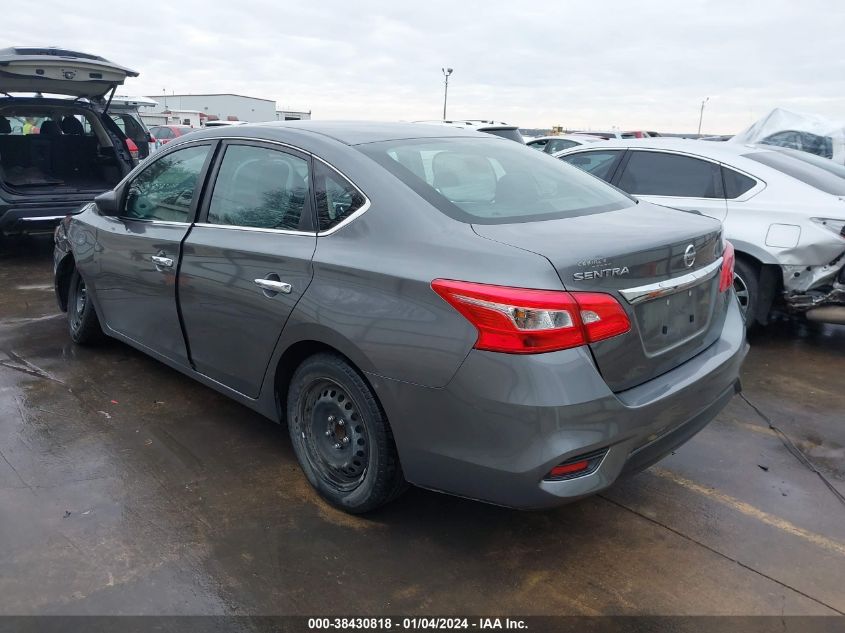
[420, 304]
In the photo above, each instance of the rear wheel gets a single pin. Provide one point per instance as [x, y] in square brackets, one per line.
[341, 436]
[747, 288]
[83, 325]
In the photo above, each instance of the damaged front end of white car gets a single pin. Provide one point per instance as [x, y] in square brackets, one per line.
[817, 290]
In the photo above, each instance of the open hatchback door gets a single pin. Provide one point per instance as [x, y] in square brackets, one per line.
[59, 71]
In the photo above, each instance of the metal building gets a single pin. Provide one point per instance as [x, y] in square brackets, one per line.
[224, 107]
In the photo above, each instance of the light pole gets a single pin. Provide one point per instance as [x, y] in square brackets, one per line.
[446, 73]
[701, 114]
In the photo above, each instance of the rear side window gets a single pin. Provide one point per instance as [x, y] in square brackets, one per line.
[598, 163]
[736, 184]
[667, 174]
[337, 198]
[165, 189]
[259, 187]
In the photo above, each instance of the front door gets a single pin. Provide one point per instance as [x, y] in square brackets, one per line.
[247, 263]
[138, 253]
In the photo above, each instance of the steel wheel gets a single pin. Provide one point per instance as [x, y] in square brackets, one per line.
[336, 440]
[341, 436]
[79, 304]
[83, 325]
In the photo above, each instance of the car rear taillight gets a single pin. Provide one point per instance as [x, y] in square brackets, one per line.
[133, 149]
[525, 321]
[726, 278]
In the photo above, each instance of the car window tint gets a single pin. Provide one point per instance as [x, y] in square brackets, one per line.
[537, 144]
[164, 190]
[259, 187]
[599, 163]
[560, 144]
[336, 197]
[666, 174]
[736, 184]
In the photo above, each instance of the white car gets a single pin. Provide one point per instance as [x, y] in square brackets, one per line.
[784, 215]
[553, 144]
[496, 128]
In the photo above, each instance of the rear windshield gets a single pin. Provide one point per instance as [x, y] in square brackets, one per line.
[829, 178]
[485, 181]
[511, 135]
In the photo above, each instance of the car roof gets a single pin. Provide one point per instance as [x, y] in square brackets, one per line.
[360, 132]
[473, 124]
[581, 138]
[725, 150]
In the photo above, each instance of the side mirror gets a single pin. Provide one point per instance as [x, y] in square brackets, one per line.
[108, 203]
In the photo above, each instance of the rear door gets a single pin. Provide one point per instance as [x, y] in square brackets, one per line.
[247, 262]
[674, 180]
[138, 252]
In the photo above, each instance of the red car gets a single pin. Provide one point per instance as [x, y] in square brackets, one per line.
[166, 133]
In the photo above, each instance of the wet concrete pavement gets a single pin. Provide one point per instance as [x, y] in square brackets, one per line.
[126, 487]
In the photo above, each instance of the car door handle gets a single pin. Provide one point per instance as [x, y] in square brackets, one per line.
[164, 262]
[271, 285]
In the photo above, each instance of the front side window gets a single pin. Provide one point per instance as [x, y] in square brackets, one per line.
[537, 144]
[165, 190]
[489, 182]
[337, 198]
[599, 163]
[666, 174]
[259, 187]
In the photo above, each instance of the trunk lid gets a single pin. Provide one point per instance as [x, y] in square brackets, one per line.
[629, 253]
[59, 71]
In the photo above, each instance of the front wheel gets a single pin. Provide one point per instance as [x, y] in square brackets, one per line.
[341, 436]
[83, 325]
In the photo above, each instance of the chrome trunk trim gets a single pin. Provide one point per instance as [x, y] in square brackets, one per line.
[670, 286]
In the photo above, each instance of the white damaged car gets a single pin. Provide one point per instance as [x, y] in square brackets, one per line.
[784, 212]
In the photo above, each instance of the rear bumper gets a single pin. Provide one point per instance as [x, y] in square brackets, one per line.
[497, 429]
[35, 217]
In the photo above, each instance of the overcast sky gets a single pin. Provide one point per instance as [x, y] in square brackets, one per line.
[587, 64]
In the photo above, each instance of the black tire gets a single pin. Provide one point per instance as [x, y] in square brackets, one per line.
[747, 288]
[341, 436]
[82, 321]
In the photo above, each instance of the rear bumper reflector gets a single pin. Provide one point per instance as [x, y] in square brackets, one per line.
[577, 466]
